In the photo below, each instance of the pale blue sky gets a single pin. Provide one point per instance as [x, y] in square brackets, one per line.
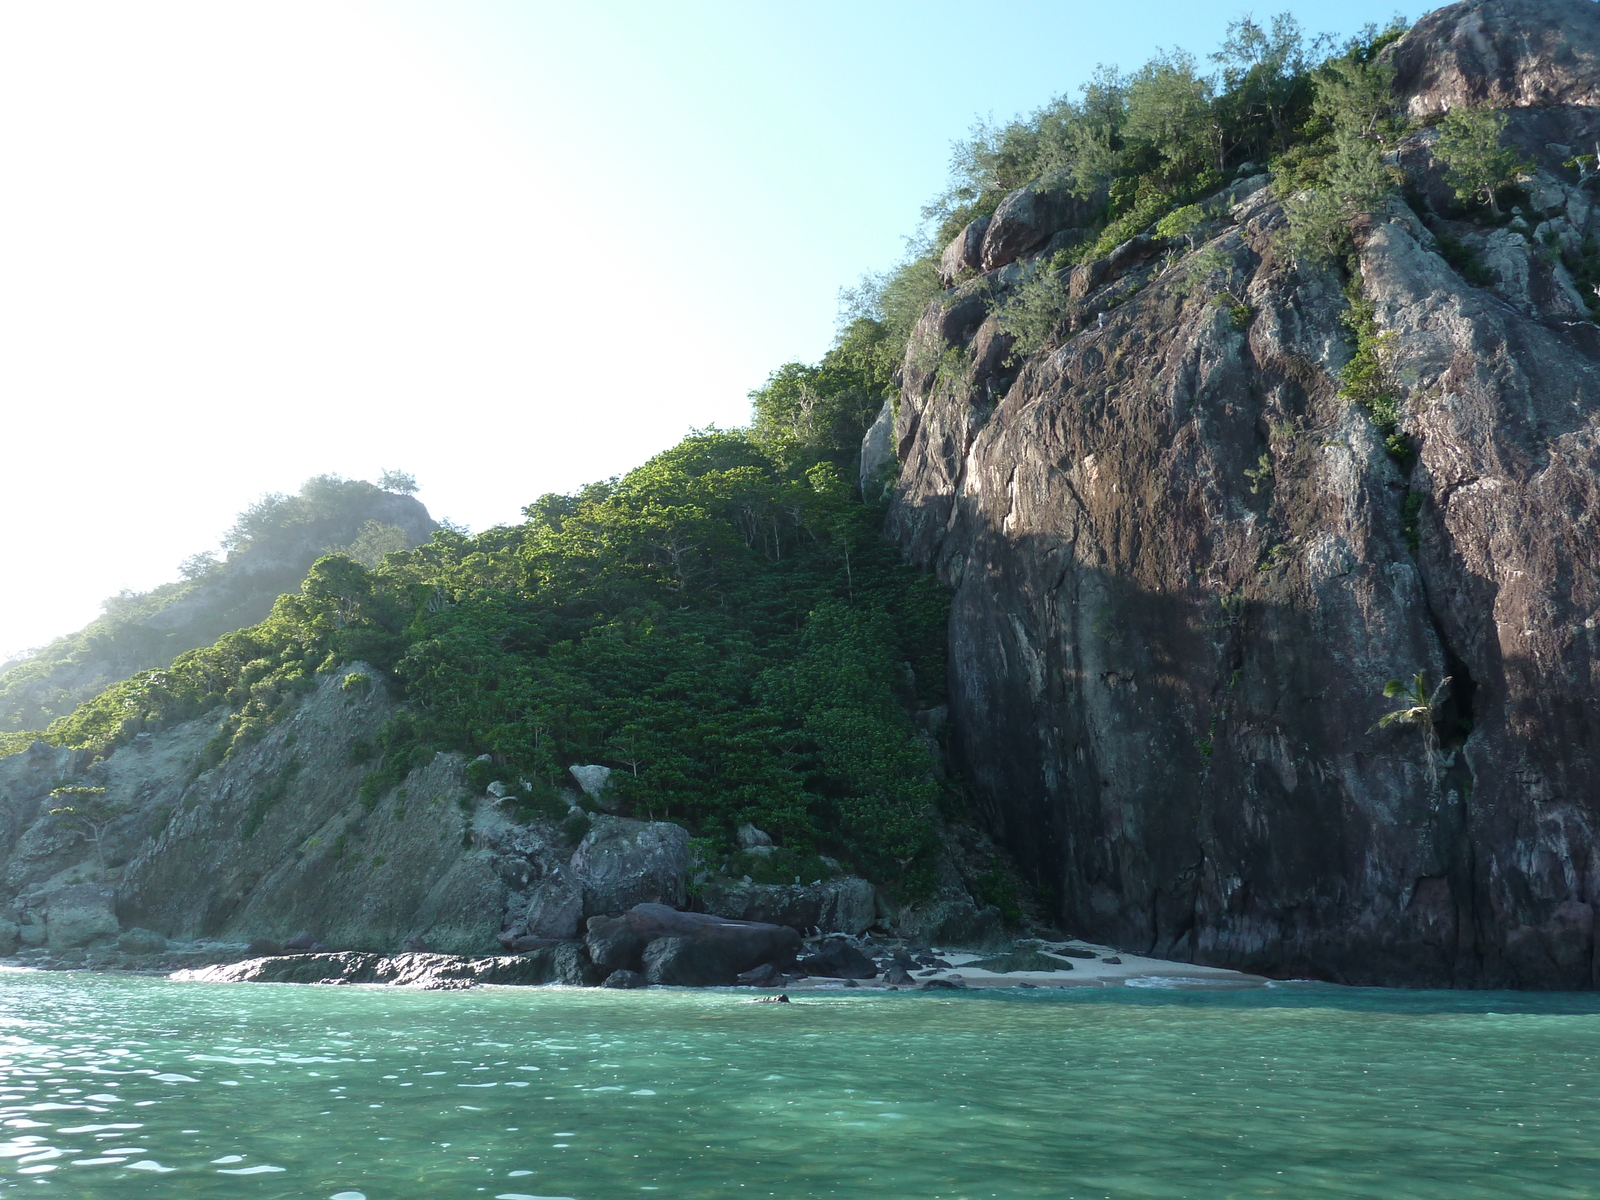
[508, 246]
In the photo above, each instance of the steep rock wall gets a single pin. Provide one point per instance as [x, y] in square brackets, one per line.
[1183, 570]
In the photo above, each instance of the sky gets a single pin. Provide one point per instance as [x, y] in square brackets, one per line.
[509, 247]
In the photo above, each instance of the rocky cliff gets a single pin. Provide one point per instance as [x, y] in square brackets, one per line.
[1184, 566]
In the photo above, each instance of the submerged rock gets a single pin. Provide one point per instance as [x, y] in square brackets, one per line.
[565, 964]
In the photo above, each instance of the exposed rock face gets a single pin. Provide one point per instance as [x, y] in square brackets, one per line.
[1500, 53]
[964, 253]
[877, 454]
[1166, 671]
[275, 843]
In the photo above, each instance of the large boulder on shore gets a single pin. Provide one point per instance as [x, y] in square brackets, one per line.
[621, 863]
[684, 948]
[846, 905]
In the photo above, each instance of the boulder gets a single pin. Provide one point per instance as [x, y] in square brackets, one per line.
[621, 863]
[766, 975]
[750, 837]
[694, 949]
[142, 941]
[877, 454]
[80, 915]
[552, 907]
[1027, 217]
[614, 944]
[625, 979]
[1132, 253]
[965, 251]
[305, 940]
[8, 938]
[954, 921]
[593, 780]
[846, 905]
[838, 959]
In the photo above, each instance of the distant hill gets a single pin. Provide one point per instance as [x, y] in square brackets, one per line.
[268, 552]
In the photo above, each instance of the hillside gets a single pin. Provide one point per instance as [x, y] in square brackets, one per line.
[1240, 431]
[267, 552]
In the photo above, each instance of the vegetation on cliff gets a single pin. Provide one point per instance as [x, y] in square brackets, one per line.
[724, 625]
[267, 552]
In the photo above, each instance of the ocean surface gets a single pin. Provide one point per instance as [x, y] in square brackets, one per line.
[136, 1087]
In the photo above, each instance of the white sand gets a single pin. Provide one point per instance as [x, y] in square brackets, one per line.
[1132, 971]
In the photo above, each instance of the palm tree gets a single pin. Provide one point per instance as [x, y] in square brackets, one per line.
[1419, 709]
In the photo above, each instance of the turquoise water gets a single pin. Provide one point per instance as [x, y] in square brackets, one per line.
[129, 1088]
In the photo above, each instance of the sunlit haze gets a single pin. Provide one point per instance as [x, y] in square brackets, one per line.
[510, 248]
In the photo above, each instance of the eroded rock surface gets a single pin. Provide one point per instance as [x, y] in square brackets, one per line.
[1184, 567]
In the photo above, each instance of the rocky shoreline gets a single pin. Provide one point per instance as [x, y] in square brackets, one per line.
[653, 945]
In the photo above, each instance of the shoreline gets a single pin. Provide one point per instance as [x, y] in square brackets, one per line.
[1084, 965]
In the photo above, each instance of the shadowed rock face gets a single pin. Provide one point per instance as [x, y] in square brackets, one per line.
[1183, 570]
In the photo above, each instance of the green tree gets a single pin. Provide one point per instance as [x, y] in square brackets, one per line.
[1475, 162]
[90, 814]
[1420, 707]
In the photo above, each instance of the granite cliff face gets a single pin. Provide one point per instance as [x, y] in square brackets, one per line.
[1184, 566]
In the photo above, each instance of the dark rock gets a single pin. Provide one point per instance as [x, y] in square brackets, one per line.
[943, 984]
[142, 941]
[897, 975]
[688, 949]
[566, 964]
[843, 905]
[267, 948]
[838, 959]
[964, 253]
[1115, 962]
[1117, 586]
[302, 941]
[523, 943]
[1028, 216]
[615, 944]
[763, 976]
[770, 1000]
[621, 863]
[1021, 960]
[625, 979]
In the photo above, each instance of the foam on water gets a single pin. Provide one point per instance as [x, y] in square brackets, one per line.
[140, 1088]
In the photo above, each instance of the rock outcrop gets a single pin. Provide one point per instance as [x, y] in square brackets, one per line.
[1184, 567]
[686, 948]
[1500, 53]
[277, 842]
[565, 964]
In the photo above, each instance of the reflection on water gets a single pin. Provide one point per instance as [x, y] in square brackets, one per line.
[129, 1088]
